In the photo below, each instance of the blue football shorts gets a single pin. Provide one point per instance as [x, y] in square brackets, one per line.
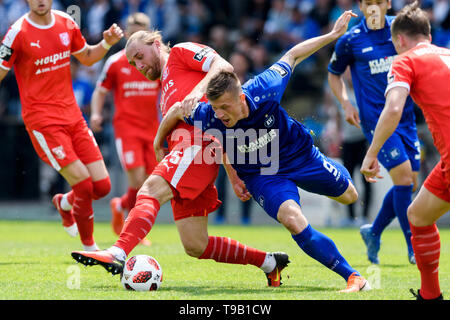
[316, 174]
[401, 146]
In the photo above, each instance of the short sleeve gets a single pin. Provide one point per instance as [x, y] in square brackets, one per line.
[195, 56]
[342, 56]
[400, 74]
[78, 42]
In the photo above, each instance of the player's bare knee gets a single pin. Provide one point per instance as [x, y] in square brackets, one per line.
[194, 249]
[156, 187]
[349, 196]
[291, 217]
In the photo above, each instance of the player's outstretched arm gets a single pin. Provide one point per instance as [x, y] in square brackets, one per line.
[168, 123]
[94, 53]
[386, 125]
[306, 48]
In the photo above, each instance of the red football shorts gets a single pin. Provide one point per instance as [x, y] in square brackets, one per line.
[135, 152]
[60, 145]
[192, 180]
[438, 181]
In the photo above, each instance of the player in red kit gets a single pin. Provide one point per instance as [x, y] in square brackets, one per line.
[184, 176]
[39, 46]
[421, 70]
[135, 120]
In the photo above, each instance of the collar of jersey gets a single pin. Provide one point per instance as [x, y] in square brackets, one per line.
[387, 24]
[34, 24]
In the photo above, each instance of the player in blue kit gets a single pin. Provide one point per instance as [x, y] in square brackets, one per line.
[368, 50]
[273, 153]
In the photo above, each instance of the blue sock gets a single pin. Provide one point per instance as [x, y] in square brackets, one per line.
[402, 199]
[385, 215]
[321, 248]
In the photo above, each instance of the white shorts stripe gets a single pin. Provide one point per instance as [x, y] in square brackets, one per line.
[185, 162]
[41, 140]
[119, 148]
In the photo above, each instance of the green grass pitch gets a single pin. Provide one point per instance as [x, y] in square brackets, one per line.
[35, 264]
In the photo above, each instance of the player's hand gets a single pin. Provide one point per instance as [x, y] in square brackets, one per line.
[351, 115]
[370, 168]
[113, 34]
[341, 24]
[183, 110]
[191, 100]
[96, 122]
[241, 190]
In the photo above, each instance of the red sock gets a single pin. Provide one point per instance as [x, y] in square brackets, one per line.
[101, 188]
[427, 247]
[227, 250]
[138, 224]
[82, 210]
[128, 200]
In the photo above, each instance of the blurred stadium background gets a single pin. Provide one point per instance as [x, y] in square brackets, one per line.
[251, 34]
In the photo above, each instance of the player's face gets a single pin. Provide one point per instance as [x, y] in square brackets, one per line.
[40, 7]
[145, 58]
[230, 108]
[374, 11]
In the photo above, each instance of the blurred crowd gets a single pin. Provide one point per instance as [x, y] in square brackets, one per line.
[251, 34]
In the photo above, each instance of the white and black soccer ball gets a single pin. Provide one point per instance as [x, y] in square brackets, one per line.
[142, 273]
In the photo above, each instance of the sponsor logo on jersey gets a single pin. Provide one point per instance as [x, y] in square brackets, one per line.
[140, 85]
[279, 70]
[5, 52]
[258, 143]
[54, 58]
[381, 65]
[64, 37]
[201, 54]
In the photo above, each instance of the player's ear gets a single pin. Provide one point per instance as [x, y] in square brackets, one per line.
[242, 96]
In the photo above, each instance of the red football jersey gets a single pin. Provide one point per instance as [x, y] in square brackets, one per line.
[186, 66]
[40, 56]
[425, 71]
[135, 97]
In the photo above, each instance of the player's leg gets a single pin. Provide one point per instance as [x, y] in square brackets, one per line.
[136, 177]
[197, 243]
[400, 155]
[318, 246]
[432, 201]
[404, 180]
[78, 177]
[154, 192]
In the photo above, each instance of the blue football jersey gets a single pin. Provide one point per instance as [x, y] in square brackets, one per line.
[369, 53]
[267, 141]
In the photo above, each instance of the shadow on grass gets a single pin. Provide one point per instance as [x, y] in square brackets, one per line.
[201, 290]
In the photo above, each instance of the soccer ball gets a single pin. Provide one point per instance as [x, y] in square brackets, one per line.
[142, 273]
